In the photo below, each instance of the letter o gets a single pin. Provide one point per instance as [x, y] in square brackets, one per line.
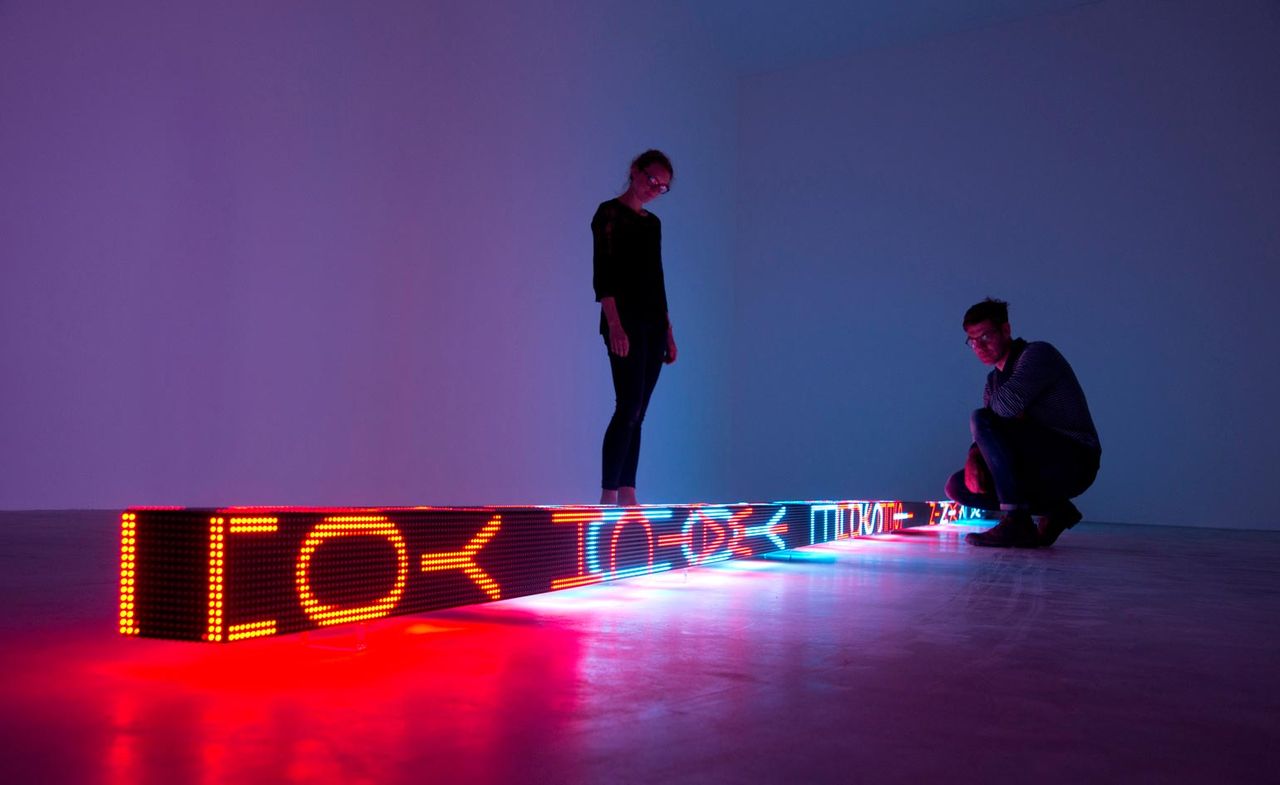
[330, 528]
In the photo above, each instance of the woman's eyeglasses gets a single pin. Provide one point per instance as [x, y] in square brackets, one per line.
[656, 183]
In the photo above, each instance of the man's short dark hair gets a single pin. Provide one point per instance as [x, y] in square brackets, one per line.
[989, 310]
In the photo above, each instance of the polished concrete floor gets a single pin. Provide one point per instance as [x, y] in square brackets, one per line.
[1124, 653]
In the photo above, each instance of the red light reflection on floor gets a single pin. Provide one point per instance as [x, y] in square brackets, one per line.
[467, 694]
[304, 708]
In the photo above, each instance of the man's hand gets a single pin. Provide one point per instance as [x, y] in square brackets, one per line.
[976, 476]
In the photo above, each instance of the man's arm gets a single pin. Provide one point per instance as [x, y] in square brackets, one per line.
[1038, 367]
[977, 477]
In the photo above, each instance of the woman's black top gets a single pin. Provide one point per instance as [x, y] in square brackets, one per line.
[628, 265]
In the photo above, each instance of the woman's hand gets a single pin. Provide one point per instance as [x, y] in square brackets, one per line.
[619, 344]
[671, 347]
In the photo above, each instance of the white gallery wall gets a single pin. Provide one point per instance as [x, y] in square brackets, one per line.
[339, 252]
[1112, 171]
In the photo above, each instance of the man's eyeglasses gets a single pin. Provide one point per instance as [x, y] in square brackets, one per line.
[982, 340]
[656, 183]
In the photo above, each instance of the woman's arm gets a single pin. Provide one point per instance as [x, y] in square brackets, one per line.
[671, 342]
[604, 278]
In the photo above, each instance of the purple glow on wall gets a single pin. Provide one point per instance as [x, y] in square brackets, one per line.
[332, 253]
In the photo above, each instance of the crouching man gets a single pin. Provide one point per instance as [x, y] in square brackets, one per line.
[1034, 443]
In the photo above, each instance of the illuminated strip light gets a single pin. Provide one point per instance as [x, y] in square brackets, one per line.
[342, 526]
[465, 560]
[128, 573]
[166, 554]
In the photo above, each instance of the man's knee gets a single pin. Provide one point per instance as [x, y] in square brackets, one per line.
[981, 420]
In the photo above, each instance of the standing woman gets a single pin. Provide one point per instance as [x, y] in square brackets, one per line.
[633, 314]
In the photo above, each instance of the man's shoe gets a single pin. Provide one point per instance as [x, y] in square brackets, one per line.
[1056, 521]
[1015, 530]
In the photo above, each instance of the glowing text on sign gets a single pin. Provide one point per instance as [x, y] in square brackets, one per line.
[230, 574]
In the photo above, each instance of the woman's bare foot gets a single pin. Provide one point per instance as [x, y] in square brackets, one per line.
[627, 497]
[609, 497]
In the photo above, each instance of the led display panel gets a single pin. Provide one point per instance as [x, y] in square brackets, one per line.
[220, 575]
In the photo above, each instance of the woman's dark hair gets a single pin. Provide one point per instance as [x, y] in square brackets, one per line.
[649, 158]
[989, 310]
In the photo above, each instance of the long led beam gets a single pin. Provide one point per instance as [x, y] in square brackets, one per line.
[220, 575]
